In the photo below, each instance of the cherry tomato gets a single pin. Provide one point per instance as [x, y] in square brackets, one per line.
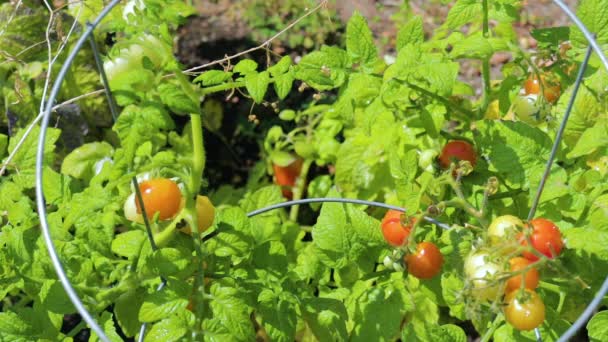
[394, 231]
[160, 195]
[205, 213]
[504, 227]
[530, 277]
[286, 176]
[426, 262]
[529, 110]
[524, 311]
[482, 273]
[551, 87]
[546, 239]
[457, 150]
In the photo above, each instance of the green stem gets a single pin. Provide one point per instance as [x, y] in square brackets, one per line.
[298, 190]
[198, 158]
[485, 64]
[495, 324]
[468, 115]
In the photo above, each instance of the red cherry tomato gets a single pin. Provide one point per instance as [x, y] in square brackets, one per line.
[551, 87]
[286, 176]
[160, 195]
[546, 239]
[524, 311]
[394, 231]
[426, 262]
[530, 277]
[457, 150]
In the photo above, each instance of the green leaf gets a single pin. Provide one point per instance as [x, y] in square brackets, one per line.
[448, 333]
[169, 329]
[376, 313]
[160, 305]
[514, 149]
[411, 33]
[359, 41]
[463, 12]
[25, 159]
[278, 315]
[128, 244]
[593, 14]
[323, 70]
[56, 186]
[345, 235]
[246, 66]
[281, 67]
[591, 140]
[598, 327]
[326, 317]
[474, 46]
[174, 97]
[81, 162]
[169, 261]
[126, 310]
[283, 84]
[54, 298]
[213, 77]
[13, 324]
[231, 314]
[3, 144]
[234, 238]
[257, 84]
[551, 36]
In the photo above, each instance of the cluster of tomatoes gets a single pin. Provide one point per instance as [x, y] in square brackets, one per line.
[426, 261]
[505, 266]
[508, 235]
[163, 198]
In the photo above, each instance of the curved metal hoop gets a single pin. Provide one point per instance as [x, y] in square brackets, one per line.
[41, 205]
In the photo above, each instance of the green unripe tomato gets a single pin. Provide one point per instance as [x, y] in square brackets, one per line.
[528, 109]
[482, 273]
[503, 228]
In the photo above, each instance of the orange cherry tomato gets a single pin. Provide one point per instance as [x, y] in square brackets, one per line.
[286, 176]
[530, 277]
[394, 231]
[546, 239]
[426, 262]
[161, 196]
[551, 87]
[457, 150]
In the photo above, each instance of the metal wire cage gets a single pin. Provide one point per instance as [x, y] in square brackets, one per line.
[87, 35]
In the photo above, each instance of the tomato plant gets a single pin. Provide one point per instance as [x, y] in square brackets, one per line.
[455, 151]
[545, 238]
[529, 279]
[425, 262]
[351, 120]
[524, 311]
[395, 232]
[160, 195]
